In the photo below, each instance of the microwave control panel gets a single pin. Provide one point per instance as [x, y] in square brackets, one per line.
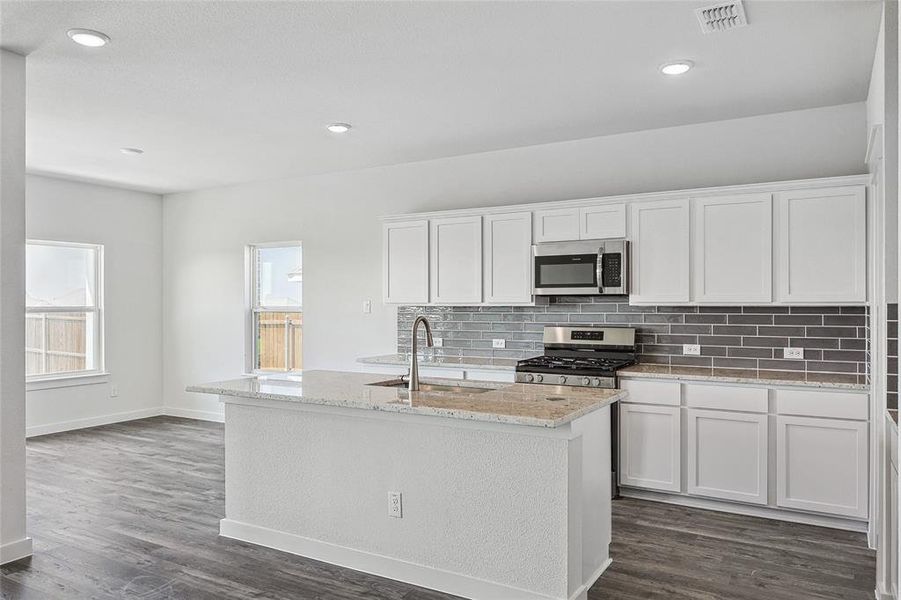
[613, 268]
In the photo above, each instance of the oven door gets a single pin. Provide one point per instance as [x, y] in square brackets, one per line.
[574, 274]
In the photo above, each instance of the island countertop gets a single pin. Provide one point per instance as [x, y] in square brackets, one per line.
[517, 404]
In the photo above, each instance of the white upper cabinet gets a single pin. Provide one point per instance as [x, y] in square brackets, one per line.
[660, 252]
[455, 260]
[507, 255]
[792, 243]
[585, 223]
[821, 245]
[405, 257]
[556, 225]
[732, 250]
[602, 221]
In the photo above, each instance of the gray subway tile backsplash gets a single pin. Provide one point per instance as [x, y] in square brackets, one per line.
[749, 337]
[892, 352]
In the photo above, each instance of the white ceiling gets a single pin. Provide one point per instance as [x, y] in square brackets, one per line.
[224, 92]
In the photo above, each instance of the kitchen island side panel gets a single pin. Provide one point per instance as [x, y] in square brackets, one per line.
[490, 503]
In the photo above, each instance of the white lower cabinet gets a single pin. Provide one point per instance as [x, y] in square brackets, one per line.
[822, 465]
[650, 443]
[793, 448]
[727, 455]
[892, 517]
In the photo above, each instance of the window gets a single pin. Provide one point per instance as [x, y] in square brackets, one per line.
[63, 310]
[276, 307]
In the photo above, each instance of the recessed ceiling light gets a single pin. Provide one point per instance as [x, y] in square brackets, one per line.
[339, 127]
[88, 37]
[676, 67]
[131, 151]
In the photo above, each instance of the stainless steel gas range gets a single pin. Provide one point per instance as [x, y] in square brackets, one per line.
[585, 357]
[580, 356]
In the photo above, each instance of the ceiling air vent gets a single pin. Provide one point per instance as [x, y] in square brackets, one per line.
[722, 17]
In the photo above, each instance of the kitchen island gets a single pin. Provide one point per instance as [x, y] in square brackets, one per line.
[488, 491]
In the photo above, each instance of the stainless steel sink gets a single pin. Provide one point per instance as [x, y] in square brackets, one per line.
[432, 387]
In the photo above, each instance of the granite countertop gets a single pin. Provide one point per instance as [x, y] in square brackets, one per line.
[447, 362]
[516, 404]
[818, 380]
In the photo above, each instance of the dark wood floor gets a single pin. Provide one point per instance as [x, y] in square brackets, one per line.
[131, 511]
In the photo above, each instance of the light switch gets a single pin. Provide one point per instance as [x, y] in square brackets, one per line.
[367, 307]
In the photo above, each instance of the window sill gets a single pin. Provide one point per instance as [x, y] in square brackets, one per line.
[65, 381]
[277, 375]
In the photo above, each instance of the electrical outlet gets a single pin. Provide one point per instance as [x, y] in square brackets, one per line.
[395, 505]
[793, 353]
[113, 390]
[691, 349]
[438, 342]
[498, 343]
[367, 307]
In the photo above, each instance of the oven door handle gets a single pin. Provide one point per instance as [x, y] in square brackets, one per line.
[600, 270]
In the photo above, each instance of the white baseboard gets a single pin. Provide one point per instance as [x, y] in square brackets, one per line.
[15, 550]
[170, 411]
[582, 592]
[765, 512]
[187, 413]
[385, 566]
[881, 595]
[91, 422]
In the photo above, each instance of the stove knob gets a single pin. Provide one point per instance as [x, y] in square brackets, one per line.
[586, 381]
[597, 381]
[562, 379]
[530, 378]
[539, 378]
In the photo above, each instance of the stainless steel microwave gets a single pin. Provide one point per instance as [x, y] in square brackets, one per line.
[587, 267]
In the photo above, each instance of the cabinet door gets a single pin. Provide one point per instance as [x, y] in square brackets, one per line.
[405, 258]
[507, 253]
[556, 225]
[602, 221]
[455, 266]
[660, 252]
[727, 455]
[733, 248]
[650, 443]
[821, 251]
[893, 529]
[822, 465]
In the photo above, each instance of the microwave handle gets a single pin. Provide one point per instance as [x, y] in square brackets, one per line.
[600, 270]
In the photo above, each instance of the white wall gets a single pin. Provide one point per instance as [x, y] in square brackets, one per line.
[13, 542]
[129, 225]
[336, 216]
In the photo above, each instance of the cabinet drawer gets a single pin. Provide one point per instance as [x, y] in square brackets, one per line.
[652, 392]
[819, 403]
[726, 397]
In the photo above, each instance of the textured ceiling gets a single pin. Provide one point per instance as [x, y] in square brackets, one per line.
[224, 92]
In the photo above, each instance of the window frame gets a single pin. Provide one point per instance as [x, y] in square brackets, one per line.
[253, 308]
[98, 338]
